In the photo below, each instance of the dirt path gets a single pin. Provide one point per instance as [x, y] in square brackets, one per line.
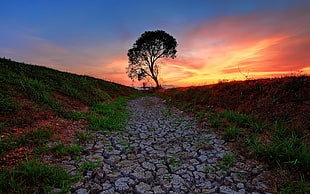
[163, 151]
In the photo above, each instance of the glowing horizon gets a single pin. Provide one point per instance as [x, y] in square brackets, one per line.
[247, 40]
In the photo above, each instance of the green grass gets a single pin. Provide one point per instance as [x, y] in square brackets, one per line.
[283, 149]
[7, 104]
[29, 93]
[60, 149]
[34, 177]
[82, 137]
[108, 117]
[88, 165]
[232, 133]
[35, 137]
[241, 120]
[75, 115]
[41, 85]
[300, 186]
[260, 115]
[227, 161]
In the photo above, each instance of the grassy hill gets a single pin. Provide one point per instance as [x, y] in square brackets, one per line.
[35, 89]
[40, 105]
[266, 119]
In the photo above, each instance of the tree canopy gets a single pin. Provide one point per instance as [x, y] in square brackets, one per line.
[145, 53]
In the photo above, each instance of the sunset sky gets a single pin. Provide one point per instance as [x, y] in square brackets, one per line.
[222, 39]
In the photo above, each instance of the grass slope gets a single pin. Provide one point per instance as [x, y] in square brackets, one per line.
[48, 112]
[268, 119]
[24, 87]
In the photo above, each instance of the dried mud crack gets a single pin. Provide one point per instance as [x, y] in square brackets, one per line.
[164, 151]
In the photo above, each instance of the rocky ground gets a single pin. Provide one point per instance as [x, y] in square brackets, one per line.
[164, 151]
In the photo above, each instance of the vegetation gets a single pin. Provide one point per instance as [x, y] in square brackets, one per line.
[38, 106]
[146, 51]
[227, 161]
[88, 165]
[34, 177]
[108, 117]
[266, 119]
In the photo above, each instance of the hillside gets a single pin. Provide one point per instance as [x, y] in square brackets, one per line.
[285, 98]
[29, 92]
[266, 119]
[45, 112]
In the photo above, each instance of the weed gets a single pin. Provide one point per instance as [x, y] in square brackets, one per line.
[227, 161]
[180, 120]
[123, 143]
[223, 172]
[108, 117]
[2, 125]
[295, 186]
[171, 160]
[88, 165]
[82, 137]
[232, 133]
[168, 113]
[60, 149]
[110, 148]
[8, 105]
[238, 118]
[75, 116]
[128, 147]
[34, 177]
[257, 126]
[209, 169]
[284, 150]
[37, 136]
[241, 175]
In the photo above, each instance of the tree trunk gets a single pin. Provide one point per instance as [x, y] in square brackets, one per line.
[156, 81]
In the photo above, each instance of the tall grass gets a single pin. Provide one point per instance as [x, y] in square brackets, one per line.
[34, 177]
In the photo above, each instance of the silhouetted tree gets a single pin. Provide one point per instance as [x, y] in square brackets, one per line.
[150, 46]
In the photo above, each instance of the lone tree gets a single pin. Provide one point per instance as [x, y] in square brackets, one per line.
[145, 53]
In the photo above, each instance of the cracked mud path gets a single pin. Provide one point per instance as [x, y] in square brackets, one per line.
[163, 151]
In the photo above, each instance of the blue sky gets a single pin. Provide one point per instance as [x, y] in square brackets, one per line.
[92, 37]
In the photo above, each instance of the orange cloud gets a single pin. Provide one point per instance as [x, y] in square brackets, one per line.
[261, 43]
[229, 47]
